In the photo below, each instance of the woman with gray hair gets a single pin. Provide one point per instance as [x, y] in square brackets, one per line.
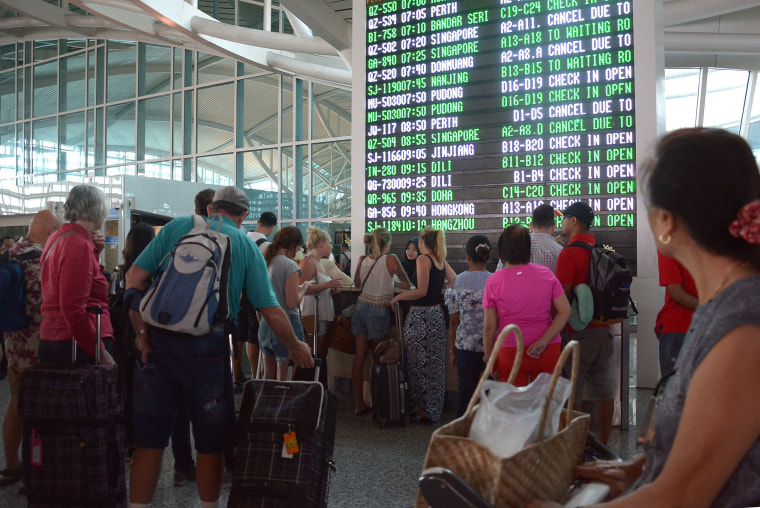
[72, 280]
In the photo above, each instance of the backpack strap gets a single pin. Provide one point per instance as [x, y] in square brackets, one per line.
[29, 256]
[260, 241]
[581, 244]
[199, 221]
[6, 257]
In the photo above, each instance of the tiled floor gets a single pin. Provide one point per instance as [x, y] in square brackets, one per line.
[375, 468]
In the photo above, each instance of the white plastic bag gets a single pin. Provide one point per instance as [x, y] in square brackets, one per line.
[508, 417]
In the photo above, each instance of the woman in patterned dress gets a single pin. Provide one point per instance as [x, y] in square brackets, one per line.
[465, 303]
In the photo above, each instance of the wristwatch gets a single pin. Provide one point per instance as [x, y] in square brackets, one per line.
[142, 331]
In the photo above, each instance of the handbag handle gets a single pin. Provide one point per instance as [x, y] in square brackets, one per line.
[574, 348]
[492, 361]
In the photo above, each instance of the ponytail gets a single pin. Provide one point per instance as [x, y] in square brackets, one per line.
[377, 240]
[435, 240]
[269, 253]
[286, 238]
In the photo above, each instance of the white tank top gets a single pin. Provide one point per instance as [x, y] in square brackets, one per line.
[326, 308]
[378, 289]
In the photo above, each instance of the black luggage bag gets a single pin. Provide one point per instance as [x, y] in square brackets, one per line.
[73, 442]
[268, 476]
[390, 388]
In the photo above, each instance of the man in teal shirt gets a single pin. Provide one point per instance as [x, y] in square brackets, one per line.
[195, 371]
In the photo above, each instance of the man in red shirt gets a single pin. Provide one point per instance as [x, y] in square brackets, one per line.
[595, 340]
[674, 318]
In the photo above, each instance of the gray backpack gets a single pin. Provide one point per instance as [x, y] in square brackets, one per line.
[191, 293]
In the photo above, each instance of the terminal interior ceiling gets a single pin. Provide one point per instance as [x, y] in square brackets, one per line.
[311, 39]
[258, 93]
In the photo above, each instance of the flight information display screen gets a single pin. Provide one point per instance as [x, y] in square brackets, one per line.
[477, 111]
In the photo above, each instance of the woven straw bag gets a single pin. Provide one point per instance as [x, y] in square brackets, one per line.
[543, 470]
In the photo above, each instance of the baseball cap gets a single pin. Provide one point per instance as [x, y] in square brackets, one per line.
[233, 195]
[580, 211]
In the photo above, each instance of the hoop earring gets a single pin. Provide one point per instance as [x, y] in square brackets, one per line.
[663, 240]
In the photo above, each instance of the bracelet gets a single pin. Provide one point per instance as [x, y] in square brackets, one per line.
[141, 331]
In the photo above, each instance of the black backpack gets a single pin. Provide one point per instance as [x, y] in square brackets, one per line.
[345, 264]
[12, 315]
[609, 277]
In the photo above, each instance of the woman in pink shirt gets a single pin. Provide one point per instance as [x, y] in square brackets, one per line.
[527, 295]
[72, 279]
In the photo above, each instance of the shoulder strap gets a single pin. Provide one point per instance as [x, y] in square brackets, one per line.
[581, 244]
[29, 256]
[199, 221]
[316, 302]
[55, 242]
[261, 240]
[377, 261]
[316, 271]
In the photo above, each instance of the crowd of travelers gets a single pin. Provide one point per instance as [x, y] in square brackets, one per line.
[706, 224]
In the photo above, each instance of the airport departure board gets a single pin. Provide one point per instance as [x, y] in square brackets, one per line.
[477, 111]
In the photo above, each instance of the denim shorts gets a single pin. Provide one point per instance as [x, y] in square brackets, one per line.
[188, 371]
[372, 321]
[271, 345]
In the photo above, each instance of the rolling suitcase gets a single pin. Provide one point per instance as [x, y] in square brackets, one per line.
[390, 388]
[73, 443]
[286, 434]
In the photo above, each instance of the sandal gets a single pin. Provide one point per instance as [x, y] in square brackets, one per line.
[10, 476]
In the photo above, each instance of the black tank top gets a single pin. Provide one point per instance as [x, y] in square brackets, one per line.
[435, 285]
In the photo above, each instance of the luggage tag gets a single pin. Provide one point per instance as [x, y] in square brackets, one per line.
[290, 443]
[36, 449]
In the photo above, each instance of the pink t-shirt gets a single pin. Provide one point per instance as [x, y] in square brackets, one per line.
[523, 295]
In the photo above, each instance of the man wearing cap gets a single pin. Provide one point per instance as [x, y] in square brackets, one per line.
[595, 340]
[195, 370]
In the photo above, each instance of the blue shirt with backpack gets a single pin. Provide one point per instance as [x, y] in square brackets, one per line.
[247, 267]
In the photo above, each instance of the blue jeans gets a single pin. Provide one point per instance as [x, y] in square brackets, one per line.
[192, 373]
[470, 367]
[670, 347]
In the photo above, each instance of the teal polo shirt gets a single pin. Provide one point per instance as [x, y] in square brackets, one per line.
[247, 270]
